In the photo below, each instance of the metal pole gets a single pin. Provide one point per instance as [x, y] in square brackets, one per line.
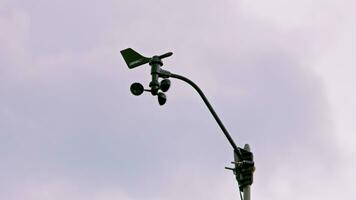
[247, 189]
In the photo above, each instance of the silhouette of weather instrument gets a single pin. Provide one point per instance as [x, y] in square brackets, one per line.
[244, 165]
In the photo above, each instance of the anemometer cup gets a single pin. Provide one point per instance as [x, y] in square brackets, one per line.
[136, 89]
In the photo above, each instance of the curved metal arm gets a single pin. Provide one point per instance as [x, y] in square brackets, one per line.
[216, 117]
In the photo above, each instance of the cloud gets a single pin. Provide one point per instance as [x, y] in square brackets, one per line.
[70, 129]
[66, 189]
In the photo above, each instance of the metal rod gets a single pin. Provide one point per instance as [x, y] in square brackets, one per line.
[212, 111]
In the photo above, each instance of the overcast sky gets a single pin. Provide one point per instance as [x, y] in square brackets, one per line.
[280, 74]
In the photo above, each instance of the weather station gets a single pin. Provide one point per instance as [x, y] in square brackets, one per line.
[244, 165]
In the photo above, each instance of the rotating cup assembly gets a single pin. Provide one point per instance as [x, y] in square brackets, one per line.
[157, 88]
[137, 89]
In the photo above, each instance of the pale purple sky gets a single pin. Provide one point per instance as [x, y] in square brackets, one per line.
[279, 73]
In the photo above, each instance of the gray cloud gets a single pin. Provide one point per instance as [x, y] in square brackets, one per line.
[67, 117]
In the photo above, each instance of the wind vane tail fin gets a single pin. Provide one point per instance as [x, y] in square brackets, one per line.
[133, 59]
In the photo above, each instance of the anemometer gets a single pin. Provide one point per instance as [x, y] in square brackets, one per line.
[244, 165]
